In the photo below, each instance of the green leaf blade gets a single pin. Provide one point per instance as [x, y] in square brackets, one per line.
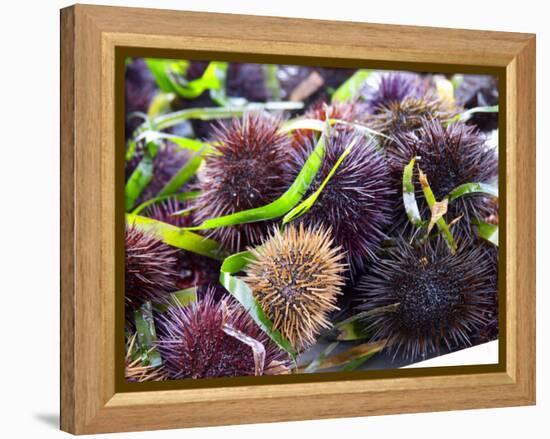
[242, 292]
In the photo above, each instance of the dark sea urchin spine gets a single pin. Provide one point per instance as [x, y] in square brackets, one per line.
[449, 156]
[150, 267]
[357, 202]
[211, 339]
[296, 277]
[249, 169]
[424, 299]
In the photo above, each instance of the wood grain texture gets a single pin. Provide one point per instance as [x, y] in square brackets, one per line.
[90, 35]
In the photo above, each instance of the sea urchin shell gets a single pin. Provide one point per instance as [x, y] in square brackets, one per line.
[296, 277]
[151, 267]
[199, 341]
[248, 170]
[425, 298]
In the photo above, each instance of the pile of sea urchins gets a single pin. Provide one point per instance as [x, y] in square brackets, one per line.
[419, 289]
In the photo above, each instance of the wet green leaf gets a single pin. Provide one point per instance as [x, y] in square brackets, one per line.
[146, 335]
[314, 365]
[473, 188]
[282, 204]
[430, 199]
[181, 142]
[409, 197]
[488, 231]
[185, 297]
[353, 354]
[305, 205]
[464, 116]
[242, 292]
[177, 237]
[209, 113]
[181, 177]
[140, 178]
[349, 89]
[184, 196]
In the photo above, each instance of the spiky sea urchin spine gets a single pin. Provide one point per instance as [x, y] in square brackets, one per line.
[407, 116]
[358, 200]
[202, 341]
[393, 88]
[249, 169]
[296, 277]
[423, 299]
[449, 156]
[150, 267]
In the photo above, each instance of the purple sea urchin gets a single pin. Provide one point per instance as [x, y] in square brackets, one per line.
[393, 88]
[357, 202]
[211, 339]
[450, 156]
[296, 277]
[249, 169]
[150, 267]
[425, 298]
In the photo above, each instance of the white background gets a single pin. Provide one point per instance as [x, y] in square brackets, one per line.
[29, 242]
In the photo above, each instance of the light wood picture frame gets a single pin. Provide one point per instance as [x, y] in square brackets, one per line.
[94, 41]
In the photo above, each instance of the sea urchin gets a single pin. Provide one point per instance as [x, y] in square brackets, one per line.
[357, 201]
[151, 267]
[402, 117]
[211, 339]
[393, 88]
[296, 277]
[449, 156]
[248, 170]
[423, 298]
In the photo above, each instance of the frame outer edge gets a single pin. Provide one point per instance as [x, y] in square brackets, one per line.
[525, 220]
[85, 391]
[67, 218]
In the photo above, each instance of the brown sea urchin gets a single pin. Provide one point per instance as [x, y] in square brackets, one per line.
[296, 277]
[150, 267]
[211, 339]
[423, 298]
[248, 170]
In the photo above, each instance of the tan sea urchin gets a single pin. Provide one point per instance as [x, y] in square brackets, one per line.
[296, 276]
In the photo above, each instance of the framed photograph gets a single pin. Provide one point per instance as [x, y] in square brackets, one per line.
[267, 219]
